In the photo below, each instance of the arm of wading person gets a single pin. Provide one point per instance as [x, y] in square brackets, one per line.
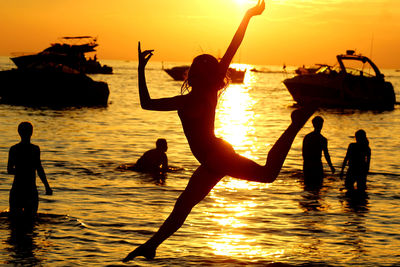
[11, 162]
[328, 158]
[164, 164]
[346, 158]
[42, 176]
[368, 159]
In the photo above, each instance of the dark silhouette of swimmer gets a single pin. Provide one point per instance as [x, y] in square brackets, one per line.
[314, 144]
[196, 110]
[358, 158]
[24, 161]
[154, 160]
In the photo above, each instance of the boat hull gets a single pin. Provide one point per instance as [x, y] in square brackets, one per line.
[51, 88]
[342, 90]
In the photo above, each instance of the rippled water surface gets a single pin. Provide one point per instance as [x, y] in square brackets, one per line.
[98, 213]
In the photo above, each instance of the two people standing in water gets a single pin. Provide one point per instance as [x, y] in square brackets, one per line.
[357, 158]
[217, 158]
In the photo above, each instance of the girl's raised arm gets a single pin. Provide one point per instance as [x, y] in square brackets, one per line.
[238, 37]
[146, 102]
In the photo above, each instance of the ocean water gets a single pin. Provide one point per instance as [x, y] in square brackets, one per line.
[98, 213]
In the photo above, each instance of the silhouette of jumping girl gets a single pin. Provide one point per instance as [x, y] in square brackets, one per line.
[196, 109]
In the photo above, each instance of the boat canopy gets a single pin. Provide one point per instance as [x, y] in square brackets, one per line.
[351, 57]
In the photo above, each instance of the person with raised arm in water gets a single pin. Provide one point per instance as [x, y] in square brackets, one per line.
[196, 110]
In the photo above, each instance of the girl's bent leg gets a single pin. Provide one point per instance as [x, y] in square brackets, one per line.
[200, 184]
[243, 168]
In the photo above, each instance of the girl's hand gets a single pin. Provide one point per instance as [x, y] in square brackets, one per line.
[257, 9]
[144, 56]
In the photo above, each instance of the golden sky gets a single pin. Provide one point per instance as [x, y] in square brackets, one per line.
[294, 32]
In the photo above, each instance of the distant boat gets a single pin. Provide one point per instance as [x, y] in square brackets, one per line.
[344, 86]
[265, 70]
[70, 52]
[179, 73]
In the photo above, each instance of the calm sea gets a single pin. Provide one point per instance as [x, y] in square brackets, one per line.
[98, 213]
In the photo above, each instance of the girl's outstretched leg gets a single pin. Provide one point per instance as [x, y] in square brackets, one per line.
[200, 184]
[277, 154]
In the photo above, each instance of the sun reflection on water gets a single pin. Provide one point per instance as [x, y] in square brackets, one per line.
[235, 122]
[235, 117]
[241, 245]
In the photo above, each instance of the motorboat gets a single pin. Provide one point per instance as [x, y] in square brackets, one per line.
[179, 73]
[70, 52]
[51, 87]
[355, 82]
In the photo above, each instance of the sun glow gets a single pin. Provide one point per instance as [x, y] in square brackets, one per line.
[246, 2]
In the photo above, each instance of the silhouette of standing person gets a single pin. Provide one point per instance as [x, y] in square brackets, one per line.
[154, 160]
[24, 161]
[314, 144]
[358, 158]
[196, 110]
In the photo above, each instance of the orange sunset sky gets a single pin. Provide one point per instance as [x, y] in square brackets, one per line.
[294, 32]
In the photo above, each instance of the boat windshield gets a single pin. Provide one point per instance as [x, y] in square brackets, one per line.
[358, 68]
[326, 69]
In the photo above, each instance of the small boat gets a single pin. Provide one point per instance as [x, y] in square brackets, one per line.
[69, 52]
[344, 86]
[179, 73]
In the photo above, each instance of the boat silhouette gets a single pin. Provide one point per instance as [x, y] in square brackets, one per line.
[343, 86]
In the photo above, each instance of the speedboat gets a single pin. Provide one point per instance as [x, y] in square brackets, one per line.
[69, 52]
[179, 73]
[51, 87]
[356, 82]
[55, 77]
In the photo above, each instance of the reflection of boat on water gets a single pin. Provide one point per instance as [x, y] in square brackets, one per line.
[179, 73]
[70, 52]
[345, 86]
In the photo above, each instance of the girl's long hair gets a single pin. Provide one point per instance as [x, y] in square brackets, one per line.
[204, 74]
[361, 137]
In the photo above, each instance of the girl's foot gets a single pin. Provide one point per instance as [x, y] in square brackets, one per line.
[141, 251]
[301, 115]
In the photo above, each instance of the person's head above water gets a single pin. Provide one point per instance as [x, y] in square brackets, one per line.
[361, 137]
[204, 74]
[161, 144]
[25, 130]
[318, 122]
